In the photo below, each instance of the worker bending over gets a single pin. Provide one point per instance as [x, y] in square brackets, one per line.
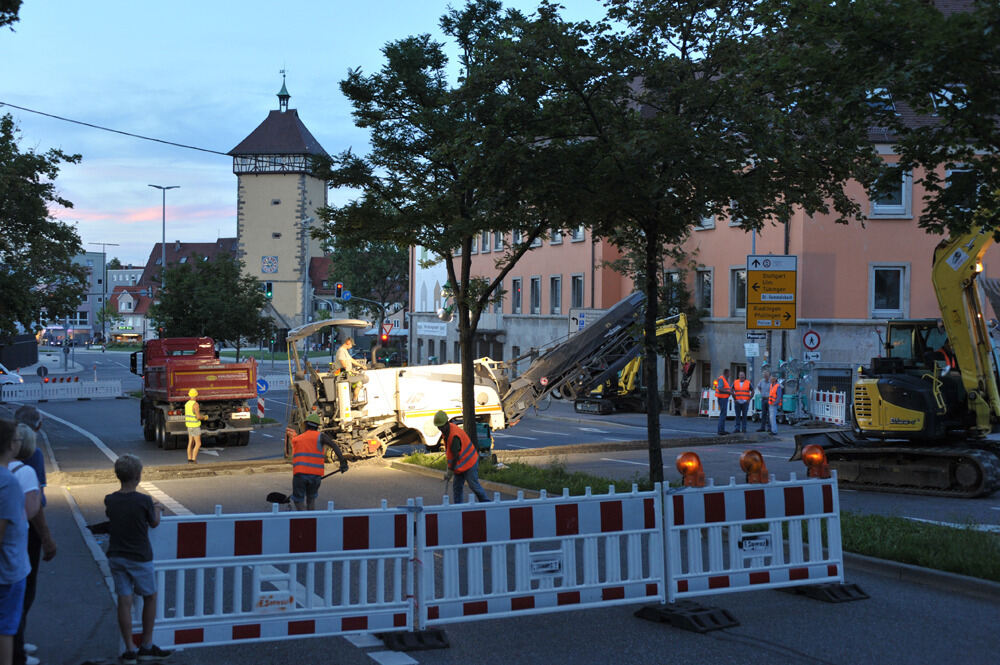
[463, 458]
[308, 459]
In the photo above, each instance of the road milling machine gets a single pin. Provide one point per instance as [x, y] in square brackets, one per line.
[396, 405]
[923, 414]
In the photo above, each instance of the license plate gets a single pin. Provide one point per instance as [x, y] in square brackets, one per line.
[240, 415]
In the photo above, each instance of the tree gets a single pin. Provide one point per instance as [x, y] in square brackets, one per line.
[8, 12]
[115, 264]
[212, 299]
[449, 161]
[36, 250]
[107, 317]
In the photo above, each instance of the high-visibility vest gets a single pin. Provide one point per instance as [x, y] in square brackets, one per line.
[307, 454]
[722, 387]
[949, 358]
[741, 390]
[190, 419]
[468, 456]
[773, 397]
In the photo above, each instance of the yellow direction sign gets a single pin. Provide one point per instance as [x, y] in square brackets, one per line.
[771, 292]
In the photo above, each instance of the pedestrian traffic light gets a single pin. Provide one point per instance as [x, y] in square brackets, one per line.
[339, 289]
[268, 289]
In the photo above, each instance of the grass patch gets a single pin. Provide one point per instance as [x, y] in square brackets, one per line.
[256, 420]
[137, 394]
[962, 551]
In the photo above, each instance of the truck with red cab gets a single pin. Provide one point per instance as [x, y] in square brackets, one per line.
[169, 368]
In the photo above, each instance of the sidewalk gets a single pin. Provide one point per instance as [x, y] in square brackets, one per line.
[53, 362]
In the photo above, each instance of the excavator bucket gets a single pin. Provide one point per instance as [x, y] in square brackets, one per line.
[824, 440]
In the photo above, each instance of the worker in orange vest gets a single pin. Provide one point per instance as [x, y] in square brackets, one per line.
[742, 392]
[723, 390]
[463, 458]
[774, 398]
[307, 462]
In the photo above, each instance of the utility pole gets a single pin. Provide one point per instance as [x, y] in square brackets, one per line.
[163, 246]
[104, 300]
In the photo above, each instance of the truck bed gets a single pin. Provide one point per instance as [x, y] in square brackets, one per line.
[213, 380]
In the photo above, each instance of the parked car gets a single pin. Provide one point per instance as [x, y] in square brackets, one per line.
[8, 377]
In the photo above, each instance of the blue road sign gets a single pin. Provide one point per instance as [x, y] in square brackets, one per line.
[345, 296]
[261, 386]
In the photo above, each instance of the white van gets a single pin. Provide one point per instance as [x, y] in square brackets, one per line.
[9, 377]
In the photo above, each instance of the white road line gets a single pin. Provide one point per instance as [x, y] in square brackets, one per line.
[270, 436]
[110, 454]
[513, 436]
[608, 438]
[541, 431]
[364, 640]
[995, 508]
[391, 658]
[514, 445]
[623, 461]
[990, 528]
[168, 501]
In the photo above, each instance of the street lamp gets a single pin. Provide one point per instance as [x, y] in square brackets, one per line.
[163, 258]
[104, 302]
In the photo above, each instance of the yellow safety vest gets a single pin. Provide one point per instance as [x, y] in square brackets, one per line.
[190, 419]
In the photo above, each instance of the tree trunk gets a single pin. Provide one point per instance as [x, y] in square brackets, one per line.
[649, 360]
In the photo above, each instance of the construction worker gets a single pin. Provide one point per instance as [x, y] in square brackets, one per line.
[723, 390]
[463, 458]
[349, 366]
[193, 418]
[742, 392]
[774, 397]
[308, 457]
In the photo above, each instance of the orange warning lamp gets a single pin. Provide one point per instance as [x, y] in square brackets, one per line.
[815, 460]
[752, 463]
[689, 465]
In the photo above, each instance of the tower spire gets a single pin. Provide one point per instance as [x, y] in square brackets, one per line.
[283, 95]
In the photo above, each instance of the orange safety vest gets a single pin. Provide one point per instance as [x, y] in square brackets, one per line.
[307, 454]
[949, 358]
[741, 390]
[773, 397]
[722, 387]
[468, 456]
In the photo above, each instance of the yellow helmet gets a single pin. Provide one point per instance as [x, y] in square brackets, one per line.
[192, 393]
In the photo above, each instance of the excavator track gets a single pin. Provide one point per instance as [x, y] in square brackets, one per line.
[954, 472]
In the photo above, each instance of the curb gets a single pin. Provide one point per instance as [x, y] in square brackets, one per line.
[939, 579]
[635, 444]
[503, 488]
[172, 472]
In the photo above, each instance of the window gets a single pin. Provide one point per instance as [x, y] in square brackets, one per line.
[420, 351]
[703, 290]
[953, 96]
[738, 292]
[577, 234]
[734, 214]
[888, 291]
[497, 241]
[498, 305]
[555, 294]
[443, 357]
[706, 222]
[962, 189]
[517, 237]
[673, 292]
[536, 295]
[537, 242]
[880, 99]
[484, 243]
[893, 200]
[576, 291]
[515, 296]
[556, 237]
[474, 248]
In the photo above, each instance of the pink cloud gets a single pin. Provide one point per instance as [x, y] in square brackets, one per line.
[142, 215]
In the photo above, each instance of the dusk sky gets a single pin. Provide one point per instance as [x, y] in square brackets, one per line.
[203, 74]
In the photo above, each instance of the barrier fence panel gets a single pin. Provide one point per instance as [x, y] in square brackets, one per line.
[254, 577]
[710, 406]
[509, 558]
[56, 390]
[828, 407]
[747, 537]
[277, 381]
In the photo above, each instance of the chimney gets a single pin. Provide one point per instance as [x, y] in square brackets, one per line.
[177, 245]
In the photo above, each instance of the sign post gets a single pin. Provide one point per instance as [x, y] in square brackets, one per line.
[771, 289]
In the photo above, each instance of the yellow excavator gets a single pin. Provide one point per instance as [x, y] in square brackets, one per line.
[923, 413]
[623, 389]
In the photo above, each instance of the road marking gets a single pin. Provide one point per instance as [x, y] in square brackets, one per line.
[110, 454]
[391, 658]
[608, 438]
[541, 431]
[623, 461]
[592, 429]
[364, 640]
[513, 436]
[168, 501]
[514, 445]
[270, 436]
[989, 528]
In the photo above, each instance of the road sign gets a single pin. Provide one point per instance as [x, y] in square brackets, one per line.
[752, 349]
[811, 340]
[756, 335]
[581, 321]
[812, 356]
[387, 327]
[261, 386]
[345, 296]
[771, 289]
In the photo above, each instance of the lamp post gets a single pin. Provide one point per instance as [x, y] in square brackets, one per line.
[163, 246]
[104, 301]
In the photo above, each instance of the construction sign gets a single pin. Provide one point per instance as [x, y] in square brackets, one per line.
[771, 289]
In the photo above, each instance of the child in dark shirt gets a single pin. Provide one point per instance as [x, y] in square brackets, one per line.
[130, 557]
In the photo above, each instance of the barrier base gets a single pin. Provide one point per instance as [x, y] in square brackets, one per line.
[418, 640]
[832, 592]
[689, 615]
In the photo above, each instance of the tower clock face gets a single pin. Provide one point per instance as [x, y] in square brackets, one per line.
[269, 264]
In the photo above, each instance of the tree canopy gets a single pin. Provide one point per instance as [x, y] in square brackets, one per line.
[37, 277]
[376, 272]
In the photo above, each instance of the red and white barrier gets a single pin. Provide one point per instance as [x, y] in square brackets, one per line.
[714, 544]
[260, 407]
[828, 407]
[710, 405]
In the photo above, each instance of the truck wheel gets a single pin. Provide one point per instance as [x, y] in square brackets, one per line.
[242, 438]
[160, 431]
[148, 430]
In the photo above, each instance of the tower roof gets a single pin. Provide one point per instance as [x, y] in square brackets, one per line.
[281, 133]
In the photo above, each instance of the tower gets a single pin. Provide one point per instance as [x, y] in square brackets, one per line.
[277, 198]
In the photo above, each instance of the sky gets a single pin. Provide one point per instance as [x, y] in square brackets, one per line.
[203, 74]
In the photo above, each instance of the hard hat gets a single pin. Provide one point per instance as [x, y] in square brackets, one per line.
[314, 419]
[192, 393]
[440, 419]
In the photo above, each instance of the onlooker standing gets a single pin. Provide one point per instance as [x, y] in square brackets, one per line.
[130, 556]
[742, 392]
[463, 458]
[41, 545]
[193, 418]
[14, 564]
[763, 389]
[723, 389]
[774, 403]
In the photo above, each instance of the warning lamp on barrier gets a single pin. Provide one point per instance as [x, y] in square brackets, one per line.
[815, 460]
[689, 465]
[752, 463]
[45, 379]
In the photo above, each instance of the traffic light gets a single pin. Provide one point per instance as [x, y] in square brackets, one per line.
[384, 337]
[339, 289]
[268, 290]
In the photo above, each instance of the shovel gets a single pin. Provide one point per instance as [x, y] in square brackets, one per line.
[278, 497]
